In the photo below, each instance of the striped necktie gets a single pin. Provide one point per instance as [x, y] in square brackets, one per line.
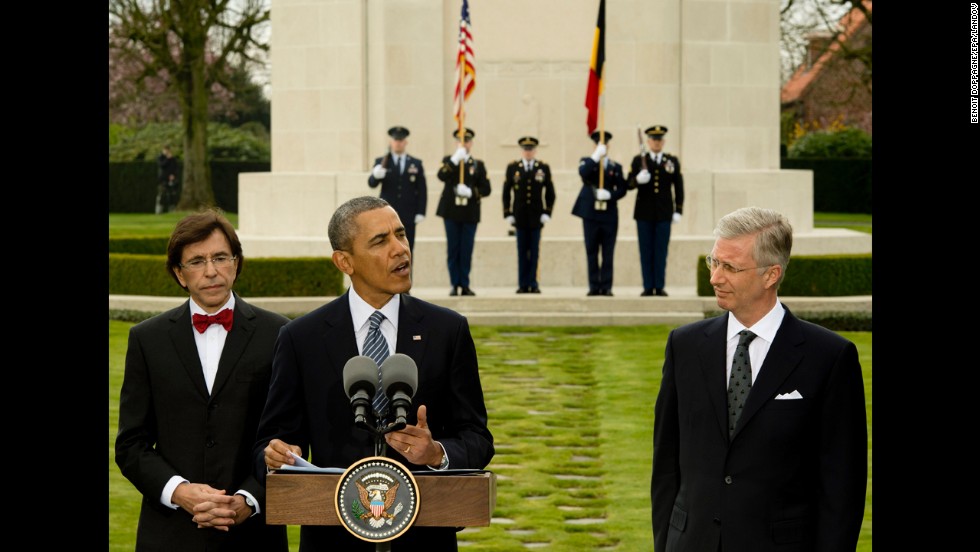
[376, 347]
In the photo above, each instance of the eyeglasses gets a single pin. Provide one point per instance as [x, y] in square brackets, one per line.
[197, 265]
[714, 263]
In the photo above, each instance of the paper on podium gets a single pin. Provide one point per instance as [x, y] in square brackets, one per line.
[302, 466]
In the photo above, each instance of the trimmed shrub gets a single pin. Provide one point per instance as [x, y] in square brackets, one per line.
[133, 274]
[813, 276]
[839, 185]
[844, 142]
[140, 245]
[133, 185]
[836, 321]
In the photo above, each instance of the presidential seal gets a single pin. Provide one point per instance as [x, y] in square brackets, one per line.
[377, 499]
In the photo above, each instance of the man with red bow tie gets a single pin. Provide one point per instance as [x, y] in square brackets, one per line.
[195, 384]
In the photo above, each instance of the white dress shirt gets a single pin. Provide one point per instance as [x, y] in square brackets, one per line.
[765, 331]
[360, 313]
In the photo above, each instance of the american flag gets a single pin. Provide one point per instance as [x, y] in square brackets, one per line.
[465, 70]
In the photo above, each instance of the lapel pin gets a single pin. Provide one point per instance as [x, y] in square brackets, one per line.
[416, 338]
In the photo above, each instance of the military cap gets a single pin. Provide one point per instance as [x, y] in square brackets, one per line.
[595, 136]
[656, 131]
[528, 142]
[398, 132]
[468, 133]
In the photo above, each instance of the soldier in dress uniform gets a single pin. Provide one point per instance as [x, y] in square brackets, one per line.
[529, 210]
[402, 181]
[600, 214]
[653, 175]
[459, 206]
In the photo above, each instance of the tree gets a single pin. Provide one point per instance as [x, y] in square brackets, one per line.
[802, 19]
[192, 43]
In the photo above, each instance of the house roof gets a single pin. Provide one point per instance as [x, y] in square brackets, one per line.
[794, 88]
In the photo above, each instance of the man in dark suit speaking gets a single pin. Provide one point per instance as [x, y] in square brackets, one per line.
[760, 433]
[308, 409]
[194, 387]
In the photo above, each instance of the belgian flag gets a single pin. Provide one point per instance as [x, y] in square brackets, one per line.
[594, 91]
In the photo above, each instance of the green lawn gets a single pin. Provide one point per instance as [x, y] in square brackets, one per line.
[146, 224]
[571, 413]
[852, 221]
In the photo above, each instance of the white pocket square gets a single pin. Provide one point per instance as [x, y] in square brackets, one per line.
[788, 396]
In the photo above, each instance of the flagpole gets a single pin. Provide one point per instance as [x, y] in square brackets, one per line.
[462, 114]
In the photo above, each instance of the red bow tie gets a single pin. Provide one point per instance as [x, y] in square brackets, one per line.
[203, 321]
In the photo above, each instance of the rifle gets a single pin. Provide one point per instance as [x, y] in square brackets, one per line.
[643, 148]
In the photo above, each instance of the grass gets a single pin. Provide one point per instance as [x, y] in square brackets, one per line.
[571, 413]
[860, 222]
[142, 224]
[147, 224]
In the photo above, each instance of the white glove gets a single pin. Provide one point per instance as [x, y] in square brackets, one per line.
[419, 218]
[379, 172]
[545, 218]
[643, 177]
[676, 218]
[462, 190]
[510, 220]
[602, 194]
[599, 153]
[459, 155]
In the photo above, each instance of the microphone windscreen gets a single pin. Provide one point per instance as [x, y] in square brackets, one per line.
[360, 371]
[400, 370]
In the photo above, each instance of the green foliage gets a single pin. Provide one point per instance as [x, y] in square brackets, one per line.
[132, 274]
[133, 185]
[224, 143]
[117, 133]
[837, 143]
[142, 245]
[813, 276]
[842, 185]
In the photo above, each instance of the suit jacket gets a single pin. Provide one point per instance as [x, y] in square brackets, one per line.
[169, 425]
[475, 176]
[793, 476]
[406, 192]
[308, 406]
[533, 191]
[654, 200]
[613, 181]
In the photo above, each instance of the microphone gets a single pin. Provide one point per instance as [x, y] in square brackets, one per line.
[401, 377]
[360, 383]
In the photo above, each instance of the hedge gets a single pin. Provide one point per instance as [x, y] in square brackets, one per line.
[132, 274]
[813, 276]
[839, 185]
[141, 245]
[133, 185]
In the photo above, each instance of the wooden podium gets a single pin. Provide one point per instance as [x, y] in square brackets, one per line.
[444, 500]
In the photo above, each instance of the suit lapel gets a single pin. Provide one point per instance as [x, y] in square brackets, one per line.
[712, 357]
[237, 340]
[783, 357]
[183, 340]
[338, 333]
[411, 332]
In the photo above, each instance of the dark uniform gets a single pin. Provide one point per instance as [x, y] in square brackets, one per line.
[599, 226]
[533, 196]
[167, 189]
[403, 187]
[461, 215]
[654, 211]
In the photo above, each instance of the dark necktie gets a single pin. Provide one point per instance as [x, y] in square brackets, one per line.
[740, 382]
[376, 347]
[203, 321]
